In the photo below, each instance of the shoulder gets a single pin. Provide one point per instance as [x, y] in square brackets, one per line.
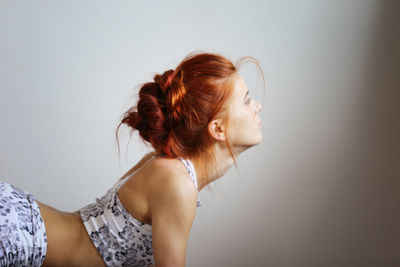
[172, 184]
[172, 210]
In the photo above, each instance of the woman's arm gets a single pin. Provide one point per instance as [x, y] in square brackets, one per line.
[139, 164]
[173, 208]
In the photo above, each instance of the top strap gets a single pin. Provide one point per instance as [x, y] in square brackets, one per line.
[190, 168]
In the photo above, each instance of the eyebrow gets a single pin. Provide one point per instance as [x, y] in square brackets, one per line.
[246, 94]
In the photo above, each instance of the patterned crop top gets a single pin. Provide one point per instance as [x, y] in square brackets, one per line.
[121, 239]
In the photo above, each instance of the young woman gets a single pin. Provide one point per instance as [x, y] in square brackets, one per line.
[198, 118]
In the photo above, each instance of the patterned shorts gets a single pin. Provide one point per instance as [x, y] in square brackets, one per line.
[23, 240]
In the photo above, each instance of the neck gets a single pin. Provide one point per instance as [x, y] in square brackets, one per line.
[223, 162]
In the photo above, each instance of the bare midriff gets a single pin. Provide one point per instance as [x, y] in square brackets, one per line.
[68, 243]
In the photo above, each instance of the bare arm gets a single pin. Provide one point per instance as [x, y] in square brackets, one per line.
[139, 164]
[173, 211]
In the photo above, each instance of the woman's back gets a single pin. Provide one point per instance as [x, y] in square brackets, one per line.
[127, 203]
[142, 186]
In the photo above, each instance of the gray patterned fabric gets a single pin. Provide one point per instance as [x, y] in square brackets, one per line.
[121, 239]
[23, 240]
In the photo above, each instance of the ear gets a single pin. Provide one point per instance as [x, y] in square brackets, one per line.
[217, 130]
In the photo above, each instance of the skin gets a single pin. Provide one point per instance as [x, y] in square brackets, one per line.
[159, 192]
[243, 131]
[245, 124]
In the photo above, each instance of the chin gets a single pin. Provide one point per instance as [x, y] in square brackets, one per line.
[256, 140]
[259, 142]
[259, 139]
[254, 143]
[246, 144]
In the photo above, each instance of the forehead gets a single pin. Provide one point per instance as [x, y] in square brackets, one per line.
[240, 88]
[234, 102]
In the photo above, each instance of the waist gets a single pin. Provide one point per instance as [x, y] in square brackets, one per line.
[67, 239]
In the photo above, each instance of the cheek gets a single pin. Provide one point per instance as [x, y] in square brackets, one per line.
[240, 125]
[240, 121]
[235, 128]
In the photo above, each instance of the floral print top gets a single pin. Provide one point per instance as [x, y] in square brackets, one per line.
[121, 239]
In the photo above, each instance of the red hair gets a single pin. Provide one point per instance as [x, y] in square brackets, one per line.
[173, 111]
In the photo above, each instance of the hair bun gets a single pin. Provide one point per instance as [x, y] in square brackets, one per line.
[132, 118]
[174, 92]
[164, 81]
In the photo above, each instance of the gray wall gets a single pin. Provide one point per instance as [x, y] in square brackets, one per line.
[321, 189]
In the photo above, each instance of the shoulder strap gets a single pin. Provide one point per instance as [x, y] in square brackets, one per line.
[190, 168]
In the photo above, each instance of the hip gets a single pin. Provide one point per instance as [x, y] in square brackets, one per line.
[23, 236]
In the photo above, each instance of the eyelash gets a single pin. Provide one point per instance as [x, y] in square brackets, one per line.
[248, 100]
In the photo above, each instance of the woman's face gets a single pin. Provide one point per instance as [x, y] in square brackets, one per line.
[244, 130]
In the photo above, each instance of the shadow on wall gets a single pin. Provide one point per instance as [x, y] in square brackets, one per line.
[363, 215]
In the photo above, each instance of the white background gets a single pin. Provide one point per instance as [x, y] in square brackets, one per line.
[322, 188]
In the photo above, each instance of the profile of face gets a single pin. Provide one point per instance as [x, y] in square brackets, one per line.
[244, 129]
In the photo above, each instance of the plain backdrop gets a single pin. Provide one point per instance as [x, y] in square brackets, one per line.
[322, 189]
